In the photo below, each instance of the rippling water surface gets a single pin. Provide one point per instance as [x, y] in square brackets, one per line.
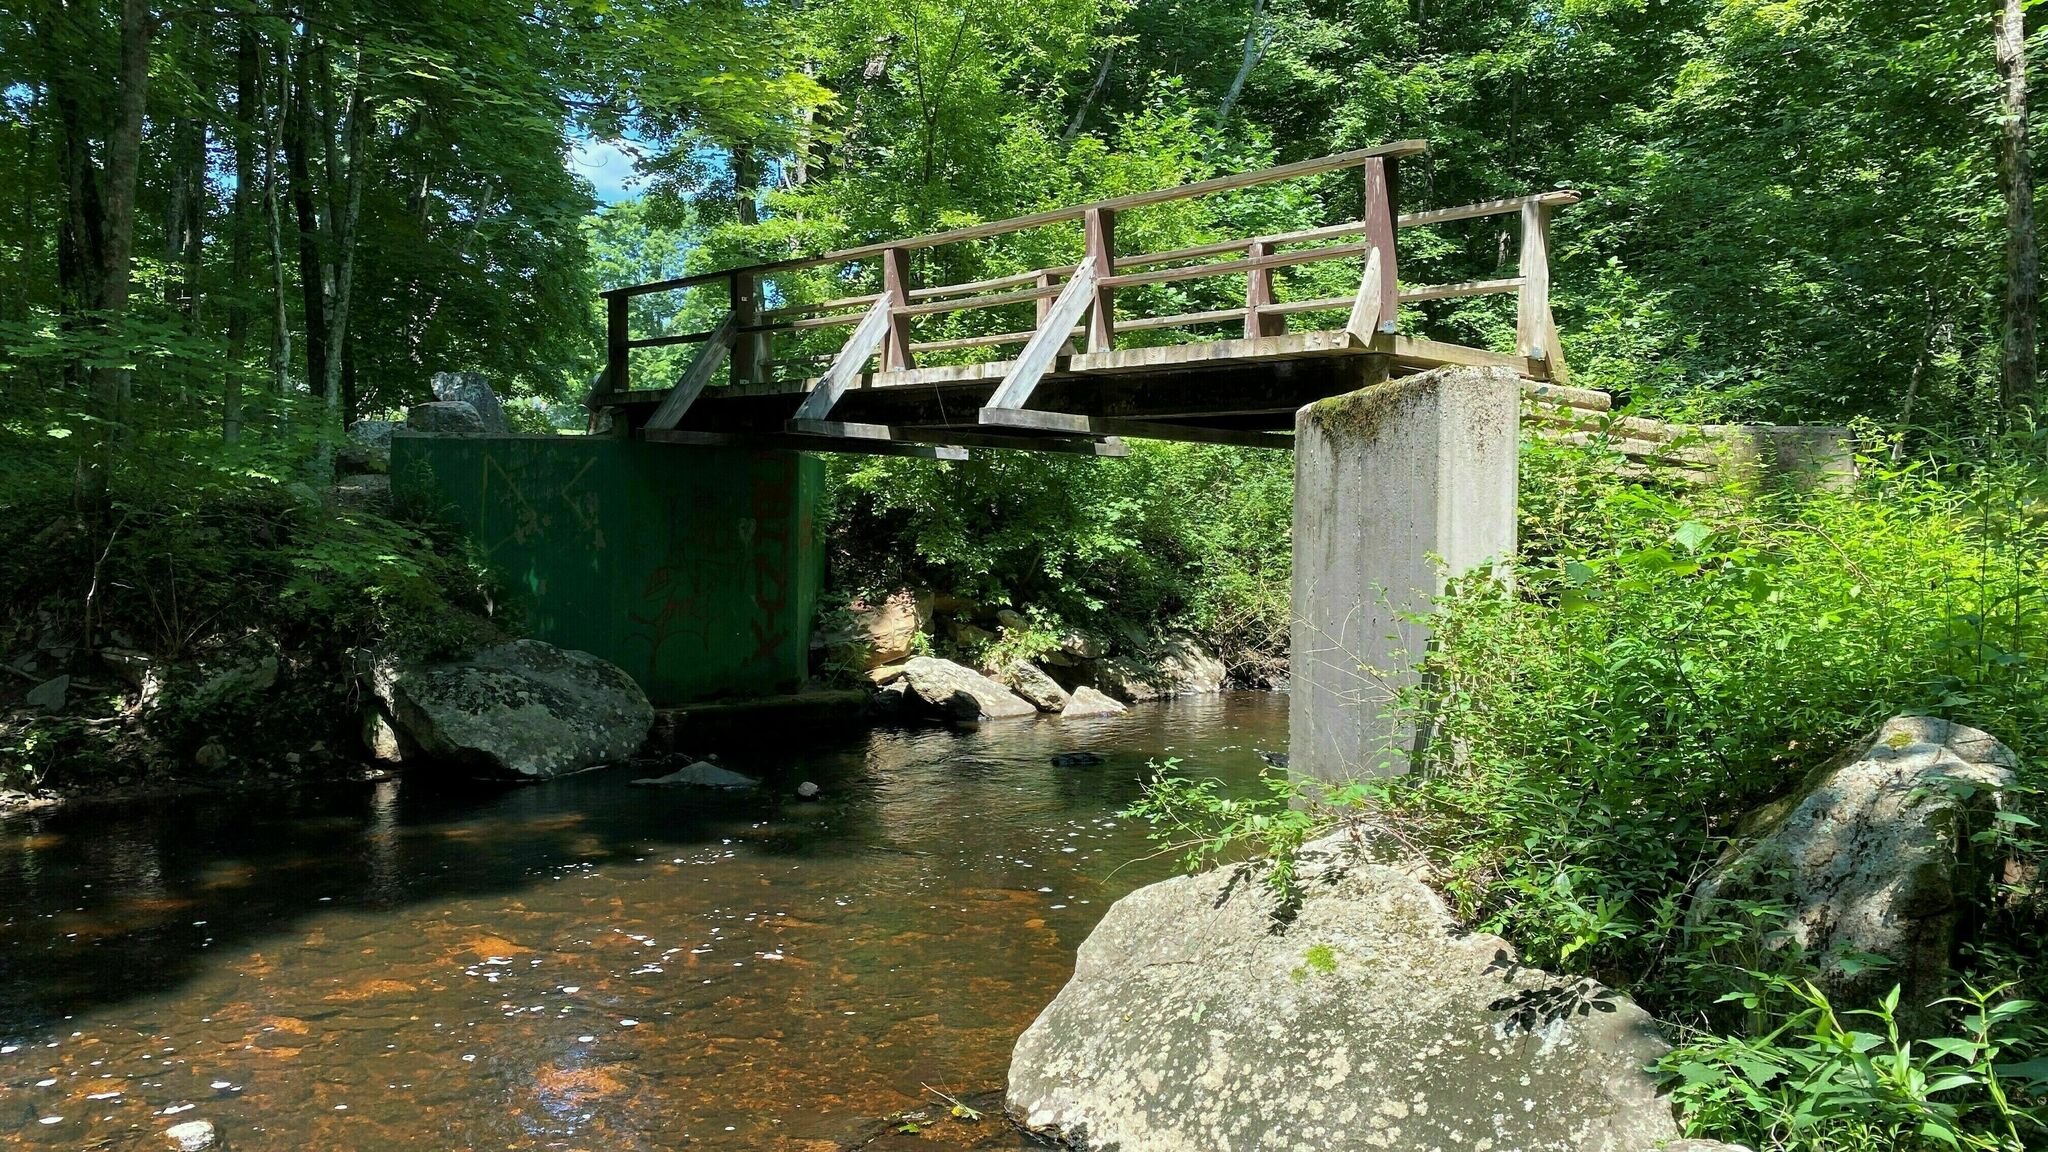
[584, 964]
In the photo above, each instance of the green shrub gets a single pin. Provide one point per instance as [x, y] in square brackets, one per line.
[1175, 535]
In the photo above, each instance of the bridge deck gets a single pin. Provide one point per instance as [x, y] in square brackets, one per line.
[1070, 388]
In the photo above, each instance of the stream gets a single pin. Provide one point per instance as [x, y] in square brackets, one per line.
[583, 964]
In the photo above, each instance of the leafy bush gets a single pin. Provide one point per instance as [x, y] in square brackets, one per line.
[200, 554]
[1818, 1084]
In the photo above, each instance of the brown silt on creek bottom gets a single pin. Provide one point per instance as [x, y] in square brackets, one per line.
[584, 964]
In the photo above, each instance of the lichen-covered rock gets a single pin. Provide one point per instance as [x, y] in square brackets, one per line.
[524, 709]
[473, 389]
[374, 433]
[1129, 679]
[1870, 857]
[885, 633]
[1189, 668]
[368, 447]
[1087, 702]
[1370, 1021]
[444, 418]
[1084, 645]
[1178, 666]
[1030, 681]
[961, 692]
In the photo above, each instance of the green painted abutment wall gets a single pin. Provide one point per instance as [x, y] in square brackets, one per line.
[695, 569]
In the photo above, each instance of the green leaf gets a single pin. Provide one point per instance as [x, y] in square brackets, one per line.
[1691, 534]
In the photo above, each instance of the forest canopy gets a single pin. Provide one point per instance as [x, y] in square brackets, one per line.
[1794, 210]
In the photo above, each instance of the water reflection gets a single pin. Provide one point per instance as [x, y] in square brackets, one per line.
[581, 965]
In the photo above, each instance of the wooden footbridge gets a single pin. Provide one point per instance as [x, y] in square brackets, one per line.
[1092, 366]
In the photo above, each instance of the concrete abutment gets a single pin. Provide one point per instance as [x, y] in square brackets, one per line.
[1396, 487]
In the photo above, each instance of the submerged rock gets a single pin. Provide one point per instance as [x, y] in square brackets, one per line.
[191, 1136]
[702, 774]
[961, 692]
[1076, 760]
[524, 709]
[1195, 1022]
[1030, 681]
[1871, 857]
[1087, 701]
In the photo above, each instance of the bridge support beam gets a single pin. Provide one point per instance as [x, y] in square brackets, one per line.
[1388, 480]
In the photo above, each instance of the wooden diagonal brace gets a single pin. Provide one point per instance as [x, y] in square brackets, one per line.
[709, 356]
[853, 356]
[1365, 309]
[1045, 343]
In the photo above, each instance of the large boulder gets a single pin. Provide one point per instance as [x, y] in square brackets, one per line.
[961, 692]
[886, 633]
[1030, 681]
[1870, 857]
[1190, 668]
[1086, 702]
[368, 446]
[444, 418]
[473, 389]
[524, 709]
[1178, 666]
[1196, 1021]
[1130, 679]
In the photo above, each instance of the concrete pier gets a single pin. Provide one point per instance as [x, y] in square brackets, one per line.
[1396, 487]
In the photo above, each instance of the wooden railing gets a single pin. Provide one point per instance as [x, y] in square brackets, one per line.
[1076, 306]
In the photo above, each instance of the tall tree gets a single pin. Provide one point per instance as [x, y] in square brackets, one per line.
[2017, 372]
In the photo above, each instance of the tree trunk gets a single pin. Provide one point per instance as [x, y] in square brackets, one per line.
[1258, 36]
[241, 234]
[2017, 371]
[273, 210]
[342, 237]
[1094, 93]
[298, 141]
[185, 214]
[96, 241]
[746, 184]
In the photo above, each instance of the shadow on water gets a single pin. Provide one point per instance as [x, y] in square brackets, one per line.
[401, 964]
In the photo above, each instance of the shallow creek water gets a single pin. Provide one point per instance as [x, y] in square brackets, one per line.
[584, 964]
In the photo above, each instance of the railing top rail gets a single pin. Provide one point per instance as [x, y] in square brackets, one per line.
[1235, 180]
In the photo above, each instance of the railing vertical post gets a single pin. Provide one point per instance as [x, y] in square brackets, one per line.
[749, 349]
[896, 285]
[1382, 187]
[615, 351]
[1099, 242]
[1258, 290]
[1533, 327]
